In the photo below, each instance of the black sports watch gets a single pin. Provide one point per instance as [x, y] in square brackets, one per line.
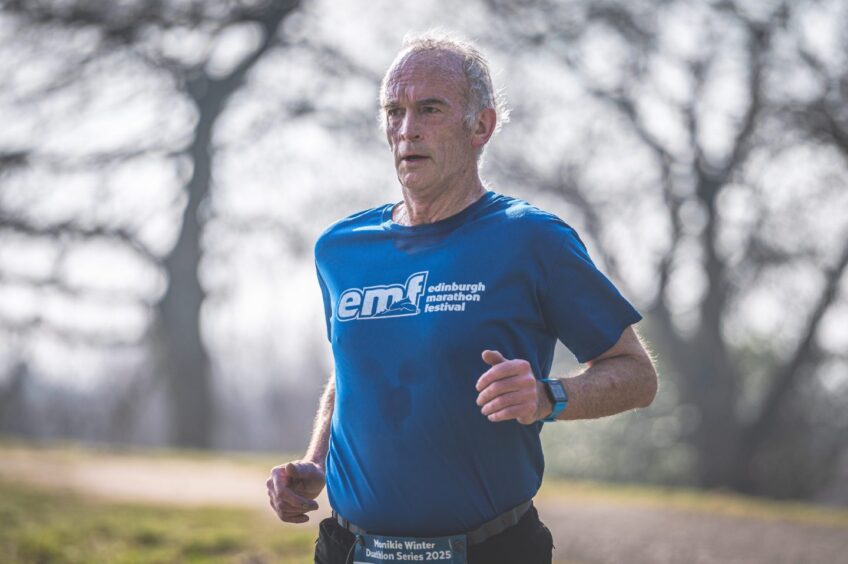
[557, 395]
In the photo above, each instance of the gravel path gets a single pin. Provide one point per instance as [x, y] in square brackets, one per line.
[586, 530]
[605, 532]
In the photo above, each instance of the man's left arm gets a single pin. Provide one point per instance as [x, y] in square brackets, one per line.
[620, 379]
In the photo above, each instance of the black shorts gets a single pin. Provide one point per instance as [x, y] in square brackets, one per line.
[527, 542]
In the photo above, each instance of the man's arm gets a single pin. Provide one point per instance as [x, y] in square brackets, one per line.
[620, 379]
[293, 487]
[319, 444]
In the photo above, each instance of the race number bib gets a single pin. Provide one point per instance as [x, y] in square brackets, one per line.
[375, 549]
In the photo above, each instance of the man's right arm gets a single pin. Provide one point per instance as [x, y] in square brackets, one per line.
[293, 487]
[319, 444]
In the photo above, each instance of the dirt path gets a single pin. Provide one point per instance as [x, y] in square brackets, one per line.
[604, 532]
[586, 530]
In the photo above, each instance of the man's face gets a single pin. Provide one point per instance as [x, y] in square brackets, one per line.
[425, 102]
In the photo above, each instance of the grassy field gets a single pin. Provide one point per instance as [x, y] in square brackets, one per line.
[71, 503]
[37, 526]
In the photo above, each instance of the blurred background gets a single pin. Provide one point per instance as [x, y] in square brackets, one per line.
[166, 167]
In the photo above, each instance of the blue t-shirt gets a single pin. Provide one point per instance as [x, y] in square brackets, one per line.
[409, 311]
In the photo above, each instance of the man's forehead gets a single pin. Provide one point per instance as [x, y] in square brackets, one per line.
[427, 74]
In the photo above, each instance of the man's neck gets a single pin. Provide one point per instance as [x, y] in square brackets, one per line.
[419, 209]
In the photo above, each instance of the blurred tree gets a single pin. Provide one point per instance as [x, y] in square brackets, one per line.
[699, 146]
[702, 148]
[200, 46]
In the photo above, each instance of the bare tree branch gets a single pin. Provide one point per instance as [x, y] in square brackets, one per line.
[35, 325]
[101, 297]
[73, 230]
[58, 163]
[790, 371]
[758, 42]
[269, 20]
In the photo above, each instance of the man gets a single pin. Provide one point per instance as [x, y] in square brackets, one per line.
[443, 311]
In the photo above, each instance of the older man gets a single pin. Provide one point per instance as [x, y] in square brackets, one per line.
[443, 311]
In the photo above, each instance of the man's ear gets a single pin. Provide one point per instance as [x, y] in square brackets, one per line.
[484, 127]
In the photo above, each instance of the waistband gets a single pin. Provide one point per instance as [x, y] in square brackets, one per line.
[485, 531]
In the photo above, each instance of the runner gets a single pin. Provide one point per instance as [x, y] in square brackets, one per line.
[443, 311]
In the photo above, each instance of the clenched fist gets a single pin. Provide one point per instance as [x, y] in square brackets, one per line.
[508, 390]
[292, 489]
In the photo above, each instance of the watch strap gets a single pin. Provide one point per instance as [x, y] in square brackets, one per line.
[558, 406]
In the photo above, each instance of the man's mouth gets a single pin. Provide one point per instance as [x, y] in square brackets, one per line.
[413, 158]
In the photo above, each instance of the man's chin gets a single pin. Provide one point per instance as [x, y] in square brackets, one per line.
[412, 181]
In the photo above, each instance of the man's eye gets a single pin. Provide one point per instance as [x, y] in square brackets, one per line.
[393, 112]
[430, 109]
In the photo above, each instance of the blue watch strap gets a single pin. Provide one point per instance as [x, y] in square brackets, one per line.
[559, 403]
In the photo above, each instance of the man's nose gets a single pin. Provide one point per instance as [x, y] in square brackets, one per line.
[409, 127]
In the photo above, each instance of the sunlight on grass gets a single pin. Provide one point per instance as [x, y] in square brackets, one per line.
[38, 527]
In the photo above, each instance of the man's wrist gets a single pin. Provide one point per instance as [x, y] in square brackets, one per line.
[544, 406]
[556, 396]
[316, 459]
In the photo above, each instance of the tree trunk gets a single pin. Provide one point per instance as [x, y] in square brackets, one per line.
[192, 410]
[717, 439]
[191, 395]
[192, 401]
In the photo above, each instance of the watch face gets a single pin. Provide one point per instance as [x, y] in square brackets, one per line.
[558, 392]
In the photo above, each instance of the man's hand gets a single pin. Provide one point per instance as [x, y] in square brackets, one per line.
[292, 489]
[509, 390]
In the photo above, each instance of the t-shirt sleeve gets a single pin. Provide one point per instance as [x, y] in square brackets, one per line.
[580, 305]
[328, 306]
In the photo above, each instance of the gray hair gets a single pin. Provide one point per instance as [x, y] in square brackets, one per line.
[481, 92]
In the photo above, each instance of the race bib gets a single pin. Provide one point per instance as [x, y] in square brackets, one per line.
[375, 549]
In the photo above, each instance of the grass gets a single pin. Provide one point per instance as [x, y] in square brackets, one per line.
[64, 526]
[61, 527]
